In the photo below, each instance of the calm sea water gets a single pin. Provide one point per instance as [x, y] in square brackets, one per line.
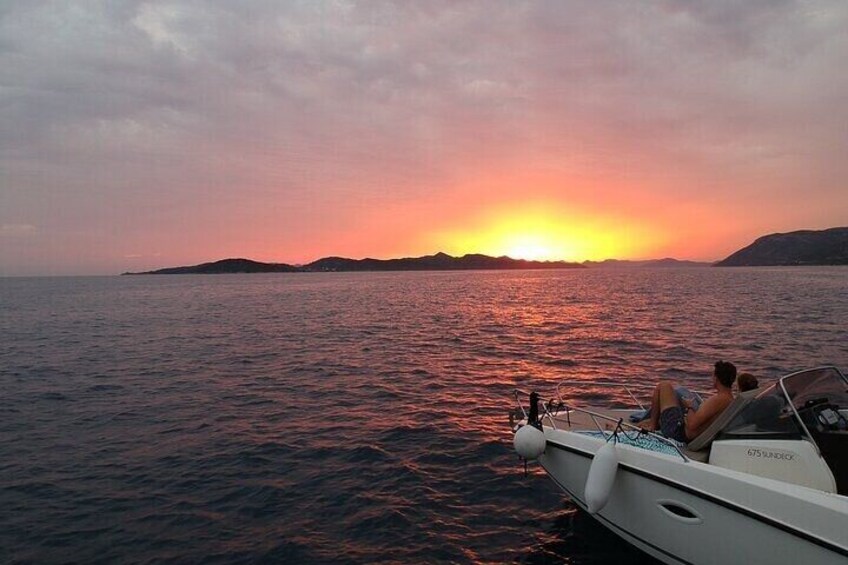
[348, 418]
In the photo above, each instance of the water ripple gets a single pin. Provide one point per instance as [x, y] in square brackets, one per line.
[348, 418]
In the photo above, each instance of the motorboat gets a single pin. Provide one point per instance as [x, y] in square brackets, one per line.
[765, 483]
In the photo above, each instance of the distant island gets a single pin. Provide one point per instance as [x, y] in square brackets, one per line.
[225, 266]
[437, 262]
[666, 262]
[804, 247]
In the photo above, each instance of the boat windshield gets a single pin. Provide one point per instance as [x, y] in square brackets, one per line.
[825, 385]
[770, 416]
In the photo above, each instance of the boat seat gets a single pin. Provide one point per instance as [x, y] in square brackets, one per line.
[705, 438]
[702, 456]
[764, 411]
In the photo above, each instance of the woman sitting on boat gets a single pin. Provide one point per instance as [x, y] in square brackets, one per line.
[676, 417]
[746, 382]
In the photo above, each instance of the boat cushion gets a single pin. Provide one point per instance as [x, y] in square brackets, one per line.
[635, 439]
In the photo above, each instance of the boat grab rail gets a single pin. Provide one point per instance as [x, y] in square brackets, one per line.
[596, 417]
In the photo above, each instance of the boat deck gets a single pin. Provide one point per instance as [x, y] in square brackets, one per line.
[584, 423]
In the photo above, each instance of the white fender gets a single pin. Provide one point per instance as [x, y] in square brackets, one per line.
[601, 477]
[529, 442]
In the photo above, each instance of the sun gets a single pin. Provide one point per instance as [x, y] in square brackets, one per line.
[547, 233]
[532, 247]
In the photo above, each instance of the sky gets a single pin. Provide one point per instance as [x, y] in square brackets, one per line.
[138, 135]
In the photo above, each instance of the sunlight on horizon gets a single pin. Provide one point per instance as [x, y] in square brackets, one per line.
[545, 233]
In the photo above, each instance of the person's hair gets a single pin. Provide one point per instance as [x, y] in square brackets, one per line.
[746, 382]
[725, 372]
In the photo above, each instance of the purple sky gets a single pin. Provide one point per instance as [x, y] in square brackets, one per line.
[137, 135]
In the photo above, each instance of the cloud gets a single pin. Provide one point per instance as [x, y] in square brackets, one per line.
[161, 24]
[17, 230]
[283, 123]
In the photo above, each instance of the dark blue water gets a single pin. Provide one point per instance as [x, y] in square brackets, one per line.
[347, 418]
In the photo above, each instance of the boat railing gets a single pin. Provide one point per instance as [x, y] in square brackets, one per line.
[629, 388]
[549, 410]
[552, 409]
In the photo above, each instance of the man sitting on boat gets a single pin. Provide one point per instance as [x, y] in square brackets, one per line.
[676, 417]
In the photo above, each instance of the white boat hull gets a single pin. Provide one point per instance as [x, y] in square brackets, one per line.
[689, 512]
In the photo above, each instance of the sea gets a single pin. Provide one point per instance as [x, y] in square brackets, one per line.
[350, 417]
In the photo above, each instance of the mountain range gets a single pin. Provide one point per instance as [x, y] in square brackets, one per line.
[804, 247]
[666, 262]
[437, 262]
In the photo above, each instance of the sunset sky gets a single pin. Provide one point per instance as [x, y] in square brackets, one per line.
[137, 135]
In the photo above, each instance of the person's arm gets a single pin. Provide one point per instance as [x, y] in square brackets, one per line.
[697, 420]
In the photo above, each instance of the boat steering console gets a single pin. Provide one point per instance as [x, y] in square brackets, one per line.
[821, 415]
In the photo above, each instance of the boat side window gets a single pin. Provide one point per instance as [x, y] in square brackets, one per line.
[768, 416]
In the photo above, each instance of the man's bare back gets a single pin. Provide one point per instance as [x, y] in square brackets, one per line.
[698, 420]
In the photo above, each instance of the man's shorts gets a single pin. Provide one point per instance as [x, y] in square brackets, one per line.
[672, 424]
